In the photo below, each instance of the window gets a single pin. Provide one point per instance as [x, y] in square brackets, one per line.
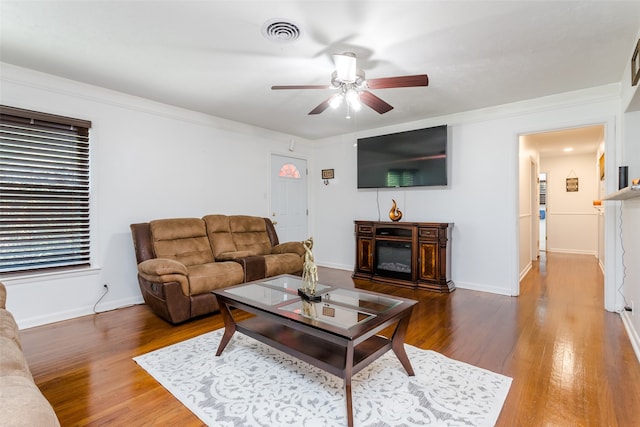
[44, 191]
[543, 189]
[289, 171]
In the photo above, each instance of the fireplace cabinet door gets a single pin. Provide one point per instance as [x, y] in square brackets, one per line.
[429, 261]
[364, 255]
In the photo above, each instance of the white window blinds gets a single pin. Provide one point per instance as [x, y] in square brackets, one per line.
[44, 191]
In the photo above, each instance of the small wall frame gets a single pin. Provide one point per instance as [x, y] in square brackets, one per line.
[327, 174]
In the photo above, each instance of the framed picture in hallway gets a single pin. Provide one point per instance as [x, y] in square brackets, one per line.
[635, 65]
[601, 165]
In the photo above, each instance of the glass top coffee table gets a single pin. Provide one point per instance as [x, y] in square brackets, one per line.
[339, 333]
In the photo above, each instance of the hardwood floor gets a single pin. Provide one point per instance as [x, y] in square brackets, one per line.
[571, 362]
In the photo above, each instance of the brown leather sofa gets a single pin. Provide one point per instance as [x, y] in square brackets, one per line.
[181, 260]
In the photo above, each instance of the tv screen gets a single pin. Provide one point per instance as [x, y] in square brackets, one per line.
[406, 159]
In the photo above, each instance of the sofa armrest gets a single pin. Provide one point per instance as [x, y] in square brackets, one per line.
[289, 247]
[254, 267]
[3, 296]
[161, 267]
[163, 270]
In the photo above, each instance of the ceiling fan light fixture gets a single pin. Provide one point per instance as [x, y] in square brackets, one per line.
[353, 89]
[336, 101]
[353, 99]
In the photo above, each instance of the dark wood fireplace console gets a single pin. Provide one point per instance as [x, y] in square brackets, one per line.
[410, 254]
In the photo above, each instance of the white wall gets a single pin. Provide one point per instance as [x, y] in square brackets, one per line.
[628, 212]
[629, 229]
[149, 161]
[155, 161]
[481, 199]
[572, 221]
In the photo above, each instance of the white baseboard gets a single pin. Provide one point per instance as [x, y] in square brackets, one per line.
[483, 288]
[526, 270]
[572, 251]
[336, 266]
[631, 331]
[78, 312]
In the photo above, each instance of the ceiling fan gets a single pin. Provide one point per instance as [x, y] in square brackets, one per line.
[353, 87]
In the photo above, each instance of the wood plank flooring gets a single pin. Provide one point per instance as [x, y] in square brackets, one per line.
[571, 362]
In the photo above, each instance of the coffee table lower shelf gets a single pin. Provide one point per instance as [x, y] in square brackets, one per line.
[326, 355]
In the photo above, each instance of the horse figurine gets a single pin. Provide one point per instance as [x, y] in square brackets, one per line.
[309, 270]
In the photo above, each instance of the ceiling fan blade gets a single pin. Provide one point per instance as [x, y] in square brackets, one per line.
[323, 105]
[301, 87]
[400, 81]
[374, 102]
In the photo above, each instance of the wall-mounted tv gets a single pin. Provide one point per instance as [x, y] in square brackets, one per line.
[405, 159]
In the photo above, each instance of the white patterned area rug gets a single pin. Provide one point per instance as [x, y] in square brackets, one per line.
[252, 384]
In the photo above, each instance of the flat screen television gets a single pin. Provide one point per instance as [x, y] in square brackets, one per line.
[413, 158]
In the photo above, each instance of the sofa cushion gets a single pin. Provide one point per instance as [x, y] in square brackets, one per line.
[229, 256]
[207, 277]
[182, 239]
[250, 234]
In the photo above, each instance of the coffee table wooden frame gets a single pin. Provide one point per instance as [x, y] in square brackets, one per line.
[339, 351]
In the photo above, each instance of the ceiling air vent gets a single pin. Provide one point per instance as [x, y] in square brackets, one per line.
[280, 30]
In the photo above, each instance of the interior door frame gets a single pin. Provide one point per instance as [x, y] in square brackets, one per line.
[613, 301]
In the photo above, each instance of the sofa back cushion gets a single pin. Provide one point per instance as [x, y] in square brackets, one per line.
[237, 234]
[219, 234]
[182, 239]
[250, 234]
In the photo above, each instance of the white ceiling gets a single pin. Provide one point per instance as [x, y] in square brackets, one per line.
[211, 56]
[584, 140]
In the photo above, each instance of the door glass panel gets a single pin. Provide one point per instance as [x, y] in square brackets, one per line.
[289, 171]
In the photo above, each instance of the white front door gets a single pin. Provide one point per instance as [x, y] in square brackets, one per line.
[289, 197]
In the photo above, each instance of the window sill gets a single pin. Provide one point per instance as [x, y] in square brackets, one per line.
[17, 279]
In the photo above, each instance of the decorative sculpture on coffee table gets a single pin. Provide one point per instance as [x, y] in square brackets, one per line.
[309, 273]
